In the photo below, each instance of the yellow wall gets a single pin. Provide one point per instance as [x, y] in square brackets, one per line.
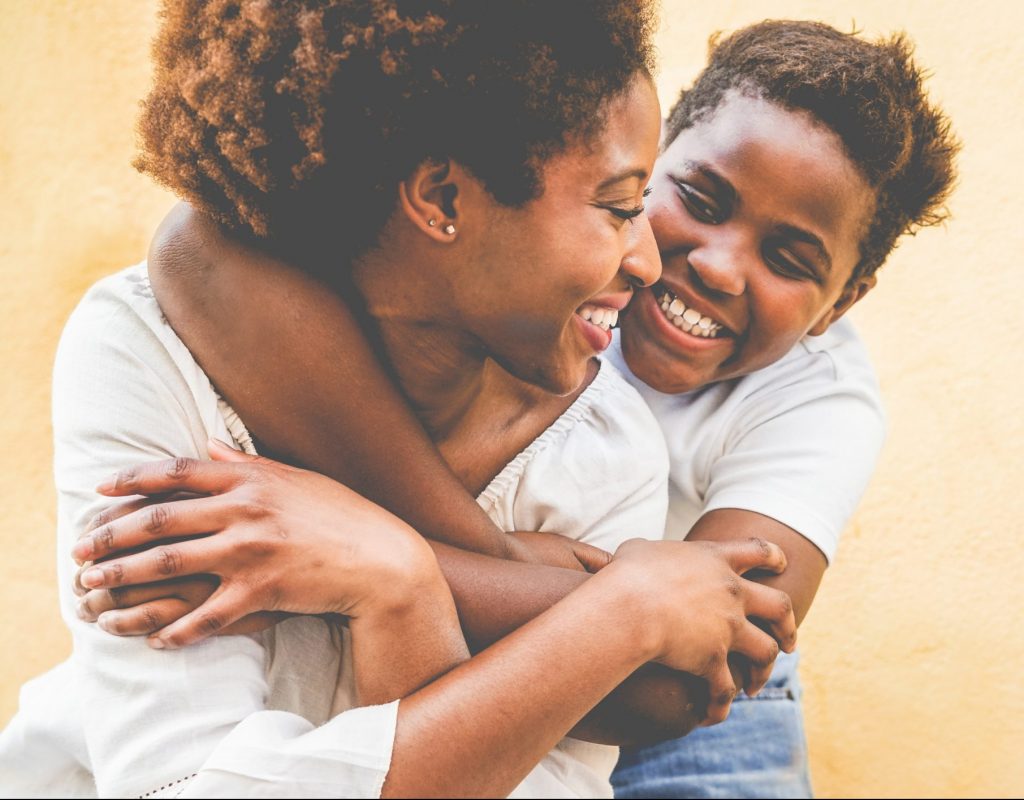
[911, 654]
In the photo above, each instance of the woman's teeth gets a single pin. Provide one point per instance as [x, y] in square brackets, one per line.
[691, 321]
[604, 318]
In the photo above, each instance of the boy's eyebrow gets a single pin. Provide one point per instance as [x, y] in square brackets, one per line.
[721, 184]
[793, 232]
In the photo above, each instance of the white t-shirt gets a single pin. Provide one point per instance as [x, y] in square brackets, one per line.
[796, 441]
[246, 715]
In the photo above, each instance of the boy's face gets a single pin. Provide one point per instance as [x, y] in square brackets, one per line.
[758, 214]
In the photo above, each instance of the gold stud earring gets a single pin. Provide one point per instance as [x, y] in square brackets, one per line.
[449, 229]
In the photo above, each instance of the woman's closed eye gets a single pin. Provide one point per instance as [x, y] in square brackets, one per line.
[702, 206]
[627, 214]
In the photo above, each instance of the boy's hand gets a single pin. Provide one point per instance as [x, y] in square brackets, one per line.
[556, 550]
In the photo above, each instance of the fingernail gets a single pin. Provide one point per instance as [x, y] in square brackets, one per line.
[92, 577]
[101, 621]
[215, 442]
[81, 612]
[82, 549]
[156, 644]
[107, 486]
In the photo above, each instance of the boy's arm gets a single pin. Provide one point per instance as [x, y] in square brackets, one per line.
[355, 427]
[805, 562]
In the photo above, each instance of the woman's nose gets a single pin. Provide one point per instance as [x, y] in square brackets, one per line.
[642, 262]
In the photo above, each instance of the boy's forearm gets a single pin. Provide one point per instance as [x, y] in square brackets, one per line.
[495, 597]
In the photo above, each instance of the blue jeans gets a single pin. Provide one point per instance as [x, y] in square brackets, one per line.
[759, 751]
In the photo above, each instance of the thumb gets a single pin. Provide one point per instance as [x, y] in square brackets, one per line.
[222, 451]
[592, 558]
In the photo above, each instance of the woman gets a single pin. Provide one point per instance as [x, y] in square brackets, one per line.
[479, 338]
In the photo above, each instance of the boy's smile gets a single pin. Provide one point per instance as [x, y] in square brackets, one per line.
[758, 213]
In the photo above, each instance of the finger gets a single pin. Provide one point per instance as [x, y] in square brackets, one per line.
[759, 651]
[192, 591]
[592, 558]
[181, 559]
[123, 509]
[754, 553]
[152, 522]
[222, 610]
[77, 586]
[176, 474]
[254, 623]
[721, 692]
[143, 619]
[775, 609]
[220, 450]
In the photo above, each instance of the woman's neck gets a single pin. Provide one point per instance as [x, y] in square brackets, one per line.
[477, 413]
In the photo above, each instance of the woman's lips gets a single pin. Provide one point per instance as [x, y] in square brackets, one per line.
[596, 336]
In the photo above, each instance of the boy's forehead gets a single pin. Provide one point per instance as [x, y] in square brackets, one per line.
[781, 165]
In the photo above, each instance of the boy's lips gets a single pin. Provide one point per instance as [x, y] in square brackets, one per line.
[690, 314]
[673, 335]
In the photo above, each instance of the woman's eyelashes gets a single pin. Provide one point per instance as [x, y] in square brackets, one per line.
[626, 214]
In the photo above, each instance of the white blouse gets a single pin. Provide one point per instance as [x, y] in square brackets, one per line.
[258, 715]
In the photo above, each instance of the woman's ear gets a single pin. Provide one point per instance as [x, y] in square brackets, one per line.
[853, 292]
[429, 197]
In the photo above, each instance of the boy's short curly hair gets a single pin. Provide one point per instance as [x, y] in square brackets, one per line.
[295, 120]
[869, 93]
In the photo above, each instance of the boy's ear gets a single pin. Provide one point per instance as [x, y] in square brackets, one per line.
[429, 198]
[853, 292]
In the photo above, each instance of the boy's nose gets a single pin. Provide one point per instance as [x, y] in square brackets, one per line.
[642, 262]
[719, 269]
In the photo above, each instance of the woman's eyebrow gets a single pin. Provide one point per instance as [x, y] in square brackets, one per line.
[801, 235]
[638, 173]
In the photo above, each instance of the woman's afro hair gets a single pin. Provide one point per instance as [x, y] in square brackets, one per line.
[869, 93]
[294, 121]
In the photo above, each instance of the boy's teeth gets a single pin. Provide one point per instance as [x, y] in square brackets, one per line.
[689, 319]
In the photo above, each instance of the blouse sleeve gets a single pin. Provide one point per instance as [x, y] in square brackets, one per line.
[192, 721]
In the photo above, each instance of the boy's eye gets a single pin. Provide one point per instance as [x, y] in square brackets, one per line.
[702, 207]
[787, 265]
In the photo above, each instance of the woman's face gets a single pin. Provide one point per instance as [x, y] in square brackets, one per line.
[758, 214]
[544, 282]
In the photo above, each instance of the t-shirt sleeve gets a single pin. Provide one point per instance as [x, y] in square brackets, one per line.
[190, 721]
[802, 455]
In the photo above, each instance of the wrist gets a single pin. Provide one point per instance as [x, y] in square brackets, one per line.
[633, 607]
[409, 577]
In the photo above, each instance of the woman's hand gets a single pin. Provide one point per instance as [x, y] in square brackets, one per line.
[699, 609]
[142, 610]
[278, 538]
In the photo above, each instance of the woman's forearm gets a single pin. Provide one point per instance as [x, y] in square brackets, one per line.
[495, 597]
[516, 699]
